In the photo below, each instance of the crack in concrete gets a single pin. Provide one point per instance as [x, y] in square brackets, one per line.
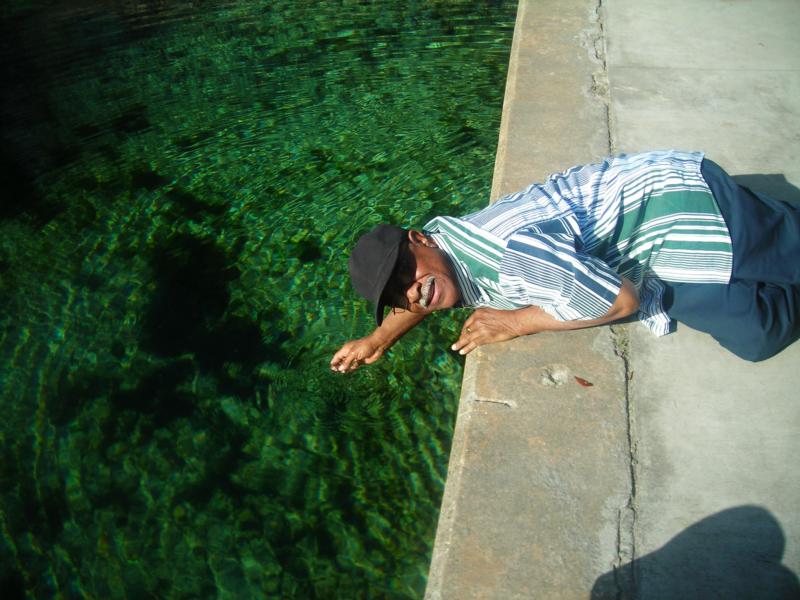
[625, 551]
[509, 403]
[625, 579]
[601, 86]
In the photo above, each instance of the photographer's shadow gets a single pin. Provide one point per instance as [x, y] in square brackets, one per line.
[773, 185]
[732, 555]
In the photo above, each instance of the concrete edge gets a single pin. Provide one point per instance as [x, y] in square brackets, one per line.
[455, 467]
[508, 101]
[455, 471]
[575, 71]
[458, 448]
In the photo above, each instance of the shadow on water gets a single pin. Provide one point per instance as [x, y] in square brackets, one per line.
[180, 188]
[17, 182]
[733, 554]
[188, 313]
[187, 328]
[192, 277]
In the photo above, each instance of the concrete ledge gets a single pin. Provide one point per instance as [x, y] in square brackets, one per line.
[535, 504]
[675, 474]
[536, 495]
[555, 103]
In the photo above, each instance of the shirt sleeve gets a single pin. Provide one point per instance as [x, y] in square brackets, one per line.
[548, 271]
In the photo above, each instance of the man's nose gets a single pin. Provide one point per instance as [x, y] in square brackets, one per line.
[413, 293]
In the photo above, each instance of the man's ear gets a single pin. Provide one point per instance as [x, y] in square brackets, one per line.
[420, 239]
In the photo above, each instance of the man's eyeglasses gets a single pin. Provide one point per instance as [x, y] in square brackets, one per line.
[402, 277]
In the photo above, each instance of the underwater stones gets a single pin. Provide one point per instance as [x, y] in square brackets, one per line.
[251, 476]
[137, 583]
[115, 491]
[118, 350]
[263, 575]
[193, 140]
[229, 577]
[45, 510]
[247, 520]
[308, 251]
[191, 445]
[76, 497]
[211, 482]
[73, 391]
[237, 412]
[83, 213]
[180, 514]
[110, 152]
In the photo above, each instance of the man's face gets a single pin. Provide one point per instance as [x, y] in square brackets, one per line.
[423, 280]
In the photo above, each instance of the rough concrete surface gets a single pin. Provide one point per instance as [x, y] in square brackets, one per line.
[715, 438]
[552, 116]
[675, 475]
[535, 504]
[535, 494]
[712, 75]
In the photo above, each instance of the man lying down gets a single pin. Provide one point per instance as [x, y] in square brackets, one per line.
[667, 235]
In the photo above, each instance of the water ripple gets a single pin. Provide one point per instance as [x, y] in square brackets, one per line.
[185, 185]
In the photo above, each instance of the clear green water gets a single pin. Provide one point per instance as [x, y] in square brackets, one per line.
[181, 187]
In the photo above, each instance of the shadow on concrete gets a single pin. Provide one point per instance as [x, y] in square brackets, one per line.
[775, 186]
[732, 555]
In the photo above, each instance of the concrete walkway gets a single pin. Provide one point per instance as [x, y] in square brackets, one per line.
[676, 474]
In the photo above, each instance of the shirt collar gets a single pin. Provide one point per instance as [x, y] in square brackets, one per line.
[474, 253]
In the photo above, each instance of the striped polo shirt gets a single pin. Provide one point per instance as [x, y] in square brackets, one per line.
[563, 244]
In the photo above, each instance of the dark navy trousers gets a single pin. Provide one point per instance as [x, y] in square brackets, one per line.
[757, 314]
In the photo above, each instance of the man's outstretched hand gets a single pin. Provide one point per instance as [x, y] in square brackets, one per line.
[366, 350]
[353, 354]
[487, 326]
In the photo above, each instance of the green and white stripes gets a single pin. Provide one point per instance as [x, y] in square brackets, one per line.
[648, 217]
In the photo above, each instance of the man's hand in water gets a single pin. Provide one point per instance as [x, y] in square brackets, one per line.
[353, 354]
[366, 350]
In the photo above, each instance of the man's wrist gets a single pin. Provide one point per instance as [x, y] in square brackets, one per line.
[380, 339]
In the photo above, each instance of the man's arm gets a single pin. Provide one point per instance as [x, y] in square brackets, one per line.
[368, 349]
[487, 325]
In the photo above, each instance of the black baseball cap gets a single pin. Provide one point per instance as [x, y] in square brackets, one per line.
[372, 261]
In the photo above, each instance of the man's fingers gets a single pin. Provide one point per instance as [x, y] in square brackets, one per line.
[351, 356]
[347, 364]
[466, 343]
[342, 360]
[338, 358]
[460, 343]
[468, 326]
[468, 348]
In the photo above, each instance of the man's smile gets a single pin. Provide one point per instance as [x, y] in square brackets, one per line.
[426, 294]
